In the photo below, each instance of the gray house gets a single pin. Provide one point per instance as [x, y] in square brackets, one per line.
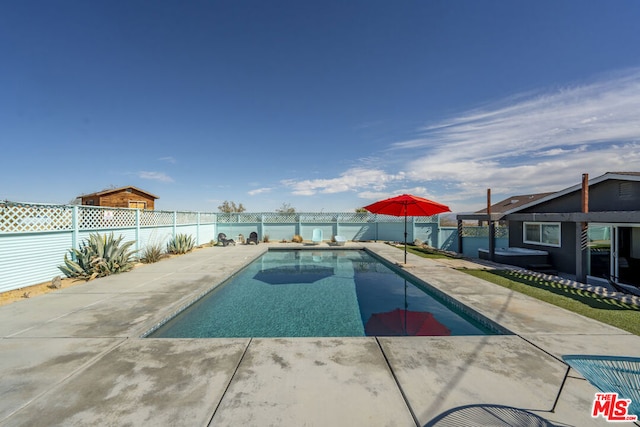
[590, 230]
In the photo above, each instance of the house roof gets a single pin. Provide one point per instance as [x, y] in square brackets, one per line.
[117, 190]
[621, 176]
[513, 202]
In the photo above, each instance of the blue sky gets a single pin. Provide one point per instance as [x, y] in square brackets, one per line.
[323, 105]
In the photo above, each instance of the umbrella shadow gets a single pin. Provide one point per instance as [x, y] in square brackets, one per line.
[294, 274]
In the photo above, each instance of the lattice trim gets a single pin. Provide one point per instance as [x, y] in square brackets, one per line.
[207, 218]
[99, 217]
[23, 217]
[151, 218]
[186, 218]
[500, 232]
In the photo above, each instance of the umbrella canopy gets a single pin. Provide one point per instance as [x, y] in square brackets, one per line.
[407, 205]
[404, 322]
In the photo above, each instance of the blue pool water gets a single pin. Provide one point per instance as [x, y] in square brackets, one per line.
[306, 293]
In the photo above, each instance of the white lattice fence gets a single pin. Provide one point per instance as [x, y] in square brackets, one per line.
[25, 217]
[356, 217]
[98, 218]
[155, 218]
[500, 232]
[207, 218]
[186, 218]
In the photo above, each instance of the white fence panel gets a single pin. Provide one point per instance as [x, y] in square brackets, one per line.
[27, 259]
[357, 232]
[150, 236]
[207, 233]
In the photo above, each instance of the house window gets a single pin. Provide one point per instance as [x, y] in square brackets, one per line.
[542, 233]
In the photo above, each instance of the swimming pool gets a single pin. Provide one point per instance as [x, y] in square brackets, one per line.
[322, 293]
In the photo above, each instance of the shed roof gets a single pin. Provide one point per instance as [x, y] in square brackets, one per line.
[119, 189]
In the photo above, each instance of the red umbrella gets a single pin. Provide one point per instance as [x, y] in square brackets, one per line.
[407, 205]
[404, 322]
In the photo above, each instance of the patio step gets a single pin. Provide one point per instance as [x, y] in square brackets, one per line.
[543, 268]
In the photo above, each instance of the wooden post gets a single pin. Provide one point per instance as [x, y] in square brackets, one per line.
[585, 192]
[492, 231]
[460, 229]
[582, 238]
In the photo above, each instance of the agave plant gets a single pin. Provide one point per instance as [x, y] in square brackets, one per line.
[151, 253]
[181, 244]
[100, 255]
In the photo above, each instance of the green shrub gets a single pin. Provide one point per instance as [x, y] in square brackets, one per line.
[99, 256]
[153, 252]
[181, 244]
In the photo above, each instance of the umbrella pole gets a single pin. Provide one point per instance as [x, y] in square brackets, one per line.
[405, 233]
[405, 306]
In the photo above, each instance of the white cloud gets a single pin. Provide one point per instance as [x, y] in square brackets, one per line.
[167, 159]
[155, 176]
[351, 180]
[378, 195]
[542, 143]
[260, 191]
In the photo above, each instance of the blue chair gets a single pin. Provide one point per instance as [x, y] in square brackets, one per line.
[316, 237]
[611, 374]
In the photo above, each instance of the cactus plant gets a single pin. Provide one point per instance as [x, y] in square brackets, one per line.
[181, 244]
[99, 256]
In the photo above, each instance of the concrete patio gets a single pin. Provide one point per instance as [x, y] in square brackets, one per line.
[75, 357]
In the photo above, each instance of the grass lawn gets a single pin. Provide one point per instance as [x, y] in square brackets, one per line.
[425, 252]
[588, 304]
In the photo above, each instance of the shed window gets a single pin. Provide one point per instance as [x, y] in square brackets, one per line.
[542, 233]
[137, 204]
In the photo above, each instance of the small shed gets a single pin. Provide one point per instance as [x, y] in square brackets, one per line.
[123, 197]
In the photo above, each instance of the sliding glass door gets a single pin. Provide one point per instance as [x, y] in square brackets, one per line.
[601, 238]
[614, 253]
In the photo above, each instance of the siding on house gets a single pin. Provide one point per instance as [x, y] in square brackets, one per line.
[610, 195]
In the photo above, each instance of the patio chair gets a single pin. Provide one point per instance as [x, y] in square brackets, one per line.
[222, 238]
[487, 414]
[340, 240]
[316, 237]
[253, 237]
[611, 374]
